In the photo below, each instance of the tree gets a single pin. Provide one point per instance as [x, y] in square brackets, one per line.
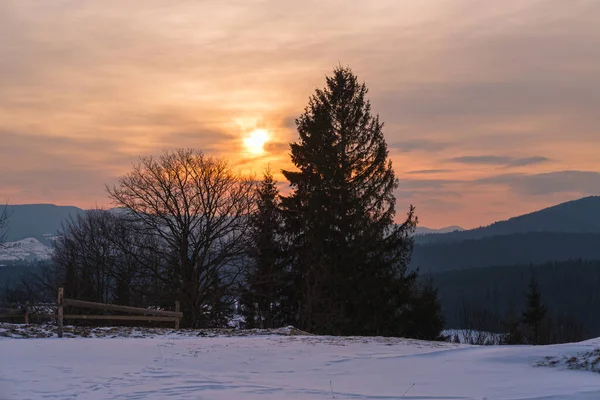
[266, 279]
[535, 313]
[198, 208]
[424, 320]
[3, 224]
[348, 259]
[99, 256]
[85, 257]
[512, 325]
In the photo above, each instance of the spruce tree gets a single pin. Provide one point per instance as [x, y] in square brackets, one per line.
[262, 296]
[535, 313]
[424, 319]
[512, 324]
[348, 259]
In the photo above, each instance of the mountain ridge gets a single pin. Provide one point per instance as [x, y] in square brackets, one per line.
[575, 216]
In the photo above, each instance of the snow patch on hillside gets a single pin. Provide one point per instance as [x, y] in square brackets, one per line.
[29, 249]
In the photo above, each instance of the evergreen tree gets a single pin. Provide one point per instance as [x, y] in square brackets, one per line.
[535, 313]
[262, 297]
[424, 320]
[512, 325]
[348, 259]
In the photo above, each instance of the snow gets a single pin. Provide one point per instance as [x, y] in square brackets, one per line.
[472, 336]
[182, 365]
[25, 249]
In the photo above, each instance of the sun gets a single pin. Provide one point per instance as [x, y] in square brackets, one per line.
[255, 141]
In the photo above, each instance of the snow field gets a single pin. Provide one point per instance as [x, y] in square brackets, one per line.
[285, 367]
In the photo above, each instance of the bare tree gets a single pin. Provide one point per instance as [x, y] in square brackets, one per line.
[198, 207]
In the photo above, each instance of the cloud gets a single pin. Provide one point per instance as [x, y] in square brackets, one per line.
[499, 160]
[491, 160]
[581, 182]
[428, 171]
[419, 145]
[521, 162]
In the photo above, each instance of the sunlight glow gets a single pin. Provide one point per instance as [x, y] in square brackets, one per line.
[256, 140]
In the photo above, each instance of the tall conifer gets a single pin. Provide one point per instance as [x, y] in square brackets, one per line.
[347, 256]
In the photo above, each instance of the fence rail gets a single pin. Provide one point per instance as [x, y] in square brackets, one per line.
[8, 312]
[12, 310]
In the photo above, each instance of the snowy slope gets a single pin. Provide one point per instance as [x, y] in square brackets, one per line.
[285, 367]
[28, 249]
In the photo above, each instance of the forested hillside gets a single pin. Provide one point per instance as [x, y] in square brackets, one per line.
[521, 248]
[484, 297]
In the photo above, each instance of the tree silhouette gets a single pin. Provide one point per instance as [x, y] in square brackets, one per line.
[348, 259]
[535, 312]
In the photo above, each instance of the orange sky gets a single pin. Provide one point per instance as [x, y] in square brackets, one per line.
[491, 108]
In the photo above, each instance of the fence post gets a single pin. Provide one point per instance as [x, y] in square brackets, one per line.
[60, 312]
[177, 318]
[26, 313]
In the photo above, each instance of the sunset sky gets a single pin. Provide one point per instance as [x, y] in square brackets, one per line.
[491, 108]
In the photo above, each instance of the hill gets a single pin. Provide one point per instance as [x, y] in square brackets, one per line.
[39, 221]
[578, 216]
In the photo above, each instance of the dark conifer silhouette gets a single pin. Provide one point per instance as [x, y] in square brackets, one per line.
[534, 314]
[266, 279]
[348, 259]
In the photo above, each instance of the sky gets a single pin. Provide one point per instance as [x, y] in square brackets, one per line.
[491, 109]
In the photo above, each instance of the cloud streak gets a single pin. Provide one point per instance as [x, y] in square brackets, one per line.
[505, 161]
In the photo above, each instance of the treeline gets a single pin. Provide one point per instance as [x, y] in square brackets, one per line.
[490, 299]
[326, 258]
[516, 249]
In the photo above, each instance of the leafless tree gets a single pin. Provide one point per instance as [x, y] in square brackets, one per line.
[198, 207]
[99, 257]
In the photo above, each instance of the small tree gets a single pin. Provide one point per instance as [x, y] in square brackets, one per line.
[424, 320]
[3, 224]
[534, 314]
[265, 281]
[512, 325]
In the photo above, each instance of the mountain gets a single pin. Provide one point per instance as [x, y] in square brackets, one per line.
[564, 232]
[578, 216]
[427, 231]
[39, 221]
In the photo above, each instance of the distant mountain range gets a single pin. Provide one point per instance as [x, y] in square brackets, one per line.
[421, 230]
[577, 216]
[561, 232]
[564, 232]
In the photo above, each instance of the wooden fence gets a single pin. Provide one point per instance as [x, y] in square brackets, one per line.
[144, 314]
[12, 310]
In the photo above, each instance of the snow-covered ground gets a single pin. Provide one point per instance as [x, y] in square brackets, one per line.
[169, 365]
[27, 249]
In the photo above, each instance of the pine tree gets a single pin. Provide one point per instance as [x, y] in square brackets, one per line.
[535, 313]
[424, 320]
[512, 325]
[348, 258]
[262, 297]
